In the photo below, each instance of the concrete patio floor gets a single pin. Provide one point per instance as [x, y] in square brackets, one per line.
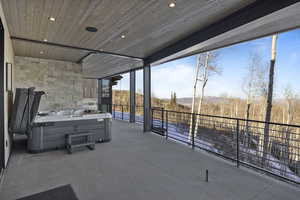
[137, 165]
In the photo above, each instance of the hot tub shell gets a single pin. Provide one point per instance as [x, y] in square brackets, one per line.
[50, 132]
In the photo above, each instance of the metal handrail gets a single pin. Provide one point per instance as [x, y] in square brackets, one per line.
[183, 121]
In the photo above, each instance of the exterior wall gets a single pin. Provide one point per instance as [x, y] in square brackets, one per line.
[62, 81]
[8, 58]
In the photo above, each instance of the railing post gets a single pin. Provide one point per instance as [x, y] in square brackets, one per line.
[193, 129]
[114, 111]
[122, 108]
[167, 124]
[237, 143]
[152, 119]
[162, 120]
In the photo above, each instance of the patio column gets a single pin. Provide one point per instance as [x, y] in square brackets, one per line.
[104, 95]
[147, 98]
[99, 99]
[132, 96]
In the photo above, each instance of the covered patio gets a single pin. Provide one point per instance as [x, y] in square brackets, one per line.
[138, 166]
[55, 45]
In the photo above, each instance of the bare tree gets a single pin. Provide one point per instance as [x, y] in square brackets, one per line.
[206, 67]
[254, 87]
[269, 99]
[290, 100]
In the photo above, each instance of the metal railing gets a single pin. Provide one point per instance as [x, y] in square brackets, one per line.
[139, 114]
[122, 112]
[242, 141]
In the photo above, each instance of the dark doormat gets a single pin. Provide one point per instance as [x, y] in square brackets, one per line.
[60, 193]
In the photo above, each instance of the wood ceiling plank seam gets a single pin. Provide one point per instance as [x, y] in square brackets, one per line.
[112, 23]
[72, 32]
[15, 21]
[108, 18]
[147, 14]
[26, 20]
[187, 26]
[107, 21]
[52, 27]
[39, 26]
[90, 8]
[71, 20]
[30, 19]
[8, 13]
[35, 11]
[61, 19]
[180, 20]
[119, 49]
[59, 14]
[51, 11]
[116, 34]
[44, 20]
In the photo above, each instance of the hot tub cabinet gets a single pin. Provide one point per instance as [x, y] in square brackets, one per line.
[55, 131]
[48, 133]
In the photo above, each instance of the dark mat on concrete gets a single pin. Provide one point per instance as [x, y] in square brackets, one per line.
[60, 193]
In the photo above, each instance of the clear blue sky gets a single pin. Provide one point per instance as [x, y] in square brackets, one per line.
[178, 76]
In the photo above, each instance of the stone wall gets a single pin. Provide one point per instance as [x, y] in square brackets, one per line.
[62, 81]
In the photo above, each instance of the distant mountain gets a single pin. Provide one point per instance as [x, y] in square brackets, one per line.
[186, 101]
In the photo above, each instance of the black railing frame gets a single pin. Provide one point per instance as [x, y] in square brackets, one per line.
[237, 121]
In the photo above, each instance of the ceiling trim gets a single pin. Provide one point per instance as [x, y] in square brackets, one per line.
[114, 74]
[84, 57]
[241, 17]
[76, 48]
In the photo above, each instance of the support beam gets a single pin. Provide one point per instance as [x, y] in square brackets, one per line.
[132, 96]
[2, 99]
[147, 98]
[99, 99]
[74, 47]
[254, 11]
[105, 95]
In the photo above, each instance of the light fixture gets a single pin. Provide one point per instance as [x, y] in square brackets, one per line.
[41, 52]
[52, 19]
[45, 40]
[172, 4]
[91, 29]
[123, 36]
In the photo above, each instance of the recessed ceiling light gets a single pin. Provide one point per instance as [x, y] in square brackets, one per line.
[123, 36]
[52, 19]
[41, 52]
[172, 4]
[91, 29]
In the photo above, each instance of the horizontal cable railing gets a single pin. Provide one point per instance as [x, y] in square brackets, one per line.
[139, 114]
[271, 147]
[122, 112]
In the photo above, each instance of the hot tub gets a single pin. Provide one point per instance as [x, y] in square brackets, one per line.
[50, 132]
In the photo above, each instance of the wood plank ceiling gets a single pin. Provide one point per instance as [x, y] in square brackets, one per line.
[148, 26]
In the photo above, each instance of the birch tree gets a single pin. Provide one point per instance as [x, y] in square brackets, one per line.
[254, 86]
[290, 101]
[269, 100]
[206, 67]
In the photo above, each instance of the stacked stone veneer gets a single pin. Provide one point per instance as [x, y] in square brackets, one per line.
[62, 81]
